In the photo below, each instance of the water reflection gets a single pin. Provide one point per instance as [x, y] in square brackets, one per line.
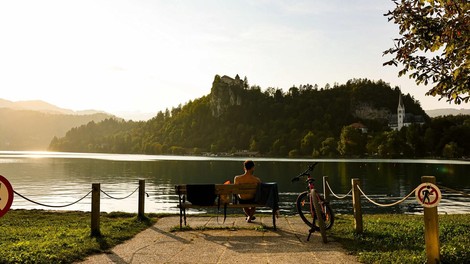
[62, 178]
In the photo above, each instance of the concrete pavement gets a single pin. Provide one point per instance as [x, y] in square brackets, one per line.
[244, 244]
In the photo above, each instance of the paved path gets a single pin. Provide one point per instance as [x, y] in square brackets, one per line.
[286, 245]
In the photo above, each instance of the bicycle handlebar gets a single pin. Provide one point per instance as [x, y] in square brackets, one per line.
[305, 173]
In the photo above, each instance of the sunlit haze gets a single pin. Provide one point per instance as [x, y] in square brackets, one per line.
[125, 56]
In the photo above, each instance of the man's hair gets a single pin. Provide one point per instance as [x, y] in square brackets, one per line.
[249, 164]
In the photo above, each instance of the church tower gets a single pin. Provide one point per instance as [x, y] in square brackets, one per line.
[400, 111]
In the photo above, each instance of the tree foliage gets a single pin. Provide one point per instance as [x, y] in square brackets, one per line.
[427, 28]
[352, 142]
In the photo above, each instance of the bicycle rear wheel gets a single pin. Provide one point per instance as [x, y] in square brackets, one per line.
[303, 208]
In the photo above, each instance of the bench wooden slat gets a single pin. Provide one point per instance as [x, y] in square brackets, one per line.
[224, 189]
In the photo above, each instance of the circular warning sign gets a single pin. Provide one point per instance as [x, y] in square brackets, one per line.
[6, 195]
[428, 195]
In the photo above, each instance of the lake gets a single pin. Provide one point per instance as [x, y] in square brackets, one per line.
[56, 178]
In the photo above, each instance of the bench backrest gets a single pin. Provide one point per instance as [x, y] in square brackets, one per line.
[222, 189]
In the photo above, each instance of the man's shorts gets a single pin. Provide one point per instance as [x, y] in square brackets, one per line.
[247, 201]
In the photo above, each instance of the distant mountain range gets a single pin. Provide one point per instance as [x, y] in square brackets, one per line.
[44, 107]
[31, 125]
[447, 111]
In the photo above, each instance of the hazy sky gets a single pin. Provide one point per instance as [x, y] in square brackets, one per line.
[147, 55]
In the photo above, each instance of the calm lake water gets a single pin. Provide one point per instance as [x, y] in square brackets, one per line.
[57, 179]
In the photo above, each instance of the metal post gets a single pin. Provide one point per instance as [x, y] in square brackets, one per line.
[95, 210]
[326, 190]
[141, 211]
[357, 206]
[431, 228]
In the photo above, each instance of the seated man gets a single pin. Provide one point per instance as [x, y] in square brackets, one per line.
[247, 177]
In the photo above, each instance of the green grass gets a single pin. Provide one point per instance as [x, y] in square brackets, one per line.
[36, 236]
[400, 238]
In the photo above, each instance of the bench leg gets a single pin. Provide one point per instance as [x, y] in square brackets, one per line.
[274, 219]
[181, 218]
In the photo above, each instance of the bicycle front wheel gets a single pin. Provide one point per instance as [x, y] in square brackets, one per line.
[305, 211]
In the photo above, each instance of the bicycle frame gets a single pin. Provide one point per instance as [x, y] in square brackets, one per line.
[326, 212]
[310, 185]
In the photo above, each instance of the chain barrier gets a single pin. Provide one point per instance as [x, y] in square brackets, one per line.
[392, 204]
[386, 205]
[70, 204]
[453, 190]
[53, 206]
[338, 197]
[119, 198]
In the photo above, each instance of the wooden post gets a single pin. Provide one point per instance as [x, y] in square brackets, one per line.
[95, 210]
[321, 223]
[326, 190]
[141, 211]
[431, 228]
[356, 199]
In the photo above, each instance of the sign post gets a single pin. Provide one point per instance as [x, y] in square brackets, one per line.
[429, 195]
[6, 195]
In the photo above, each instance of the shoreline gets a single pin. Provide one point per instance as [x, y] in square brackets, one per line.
[148, 157]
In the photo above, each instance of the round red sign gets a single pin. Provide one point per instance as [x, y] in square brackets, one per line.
[428, 195]
[6, 195]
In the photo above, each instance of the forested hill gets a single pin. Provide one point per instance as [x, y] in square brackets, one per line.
[303, 121]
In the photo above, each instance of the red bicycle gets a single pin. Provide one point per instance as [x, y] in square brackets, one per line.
[304, 203]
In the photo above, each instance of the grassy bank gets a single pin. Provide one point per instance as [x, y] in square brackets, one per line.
[64, 237]
[400, 238]
[34, 236]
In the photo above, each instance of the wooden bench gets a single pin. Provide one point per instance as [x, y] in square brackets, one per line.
[231, 191]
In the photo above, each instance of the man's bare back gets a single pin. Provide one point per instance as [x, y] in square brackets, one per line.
[247, 177]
